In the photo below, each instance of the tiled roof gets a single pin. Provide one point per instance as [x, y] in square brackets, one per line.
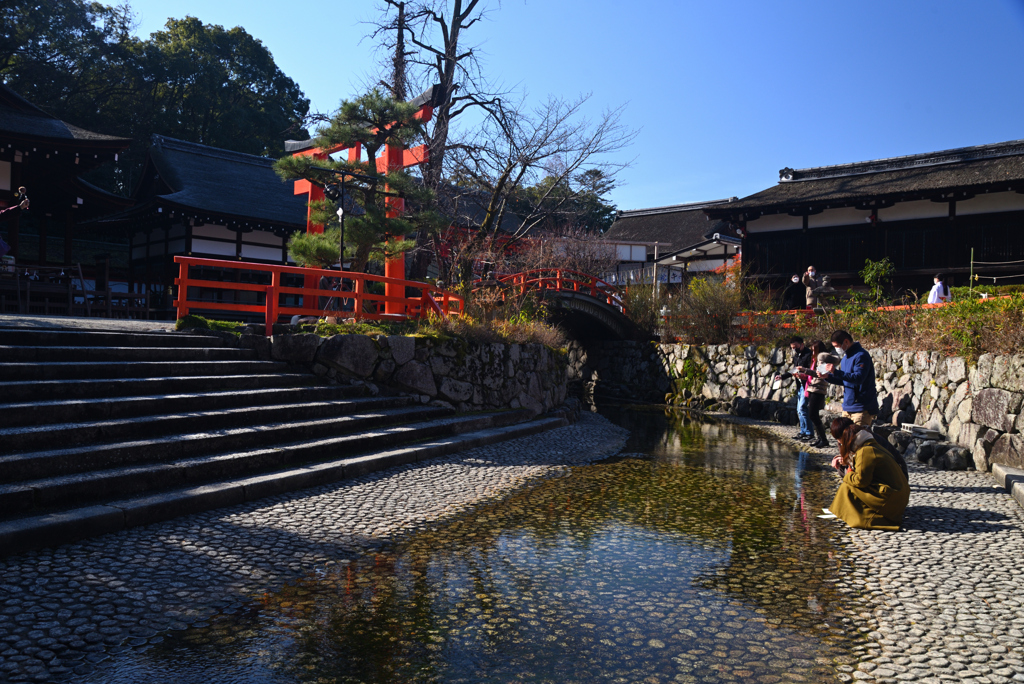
[672, 227]
[225, 183]
[21, 118]
[996, 166]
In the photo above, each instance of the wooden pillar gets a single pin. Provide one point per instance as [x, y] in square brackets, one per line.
[12, 235]
[43, 224]
[69, 230]
[13, 224]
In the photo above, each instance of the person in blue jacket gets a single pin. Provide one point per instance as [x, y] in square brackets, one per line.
[856, 373]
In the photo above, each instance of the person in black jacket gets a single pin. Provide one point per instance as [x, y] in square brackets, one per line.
[802, 356]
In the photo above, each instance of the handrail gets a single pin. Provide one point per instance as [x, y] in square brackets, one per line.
[365, 305]
[563, 280]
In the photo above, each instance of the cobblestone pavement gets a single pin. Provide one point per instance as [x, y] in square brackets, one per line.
[64, 609]
[940, 601]
[943, 599]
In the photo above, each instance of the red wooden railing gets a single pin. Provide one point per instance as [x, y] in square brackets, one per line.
[365, 305]
[563, 280]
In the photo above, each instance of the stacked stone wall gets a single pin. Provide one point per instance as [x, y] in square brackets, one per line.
[975, 406]
[463, 375]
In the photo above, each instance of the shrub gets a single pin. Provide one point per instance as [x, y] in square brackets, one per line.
[191, 322]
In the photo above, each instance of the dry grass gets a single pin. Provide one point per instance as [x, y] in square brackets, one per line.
[966, 328]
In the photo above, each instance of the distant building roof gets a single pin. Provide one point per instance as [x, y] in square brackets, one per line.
[22, 119]
[225, 184]
[673, 227]
[998, 166]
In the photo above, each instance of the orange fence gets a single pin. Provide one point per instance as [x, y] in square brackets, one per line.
[563, 280]
[357, 302]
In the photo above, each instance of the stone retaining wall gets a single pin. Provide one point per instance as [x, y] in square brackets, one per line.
[978, 407]
[462, 375]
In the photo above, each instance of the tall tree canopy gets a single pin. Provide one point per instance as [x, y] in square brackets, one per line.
[198, 82]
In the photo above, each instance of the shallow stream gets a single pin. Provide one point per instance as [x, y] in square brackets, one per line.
[695, 556]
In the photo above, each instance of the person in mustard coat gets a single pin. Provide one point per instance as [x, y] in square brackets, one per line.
[875, 492]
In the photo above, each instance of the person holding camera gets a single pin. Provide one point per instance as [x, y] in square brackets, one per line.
[9, 211]
[802, 357]
[812, 282]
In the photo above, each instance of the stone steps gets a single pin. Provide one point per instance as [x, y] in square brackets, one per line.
[66, 526]
[91, 338]
[90, 370]
[50, 390]
[186, 425]
[103, 430]
[113, 408]
[88, 485]
[52, 354]
[35, 464]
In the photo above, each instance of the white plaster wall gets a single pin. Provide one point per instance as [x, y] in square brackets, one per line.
[991, 203]
[773, 222]
[211, 247]
[844, 216]
[906, 211]
[266, 253]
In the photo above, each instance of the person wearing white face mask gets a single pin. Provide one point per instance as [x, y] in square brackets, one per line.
[856, 373]
[940, 293]
[812, 282]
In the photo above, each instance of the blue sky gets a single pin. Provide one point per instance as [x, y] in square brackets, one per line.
[724, 93]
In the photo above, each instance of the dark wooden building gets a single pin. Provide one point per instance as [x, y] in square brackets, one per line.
[48, 156]
[925, 212]
[205, 202]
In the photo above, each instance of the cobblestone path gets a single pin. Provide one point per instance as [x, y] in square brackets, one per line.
[939, 601]
[948, 589]
[943, 599]
[64, 609]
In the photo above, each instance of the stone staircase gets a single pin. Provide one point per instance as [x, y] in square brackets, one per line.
[101, 431]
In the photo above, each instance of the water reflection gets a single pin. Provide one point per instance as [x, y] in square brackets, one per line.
[699, 562]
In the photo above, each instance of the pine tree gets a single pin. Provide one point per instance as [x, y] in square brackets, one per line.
[373, 121]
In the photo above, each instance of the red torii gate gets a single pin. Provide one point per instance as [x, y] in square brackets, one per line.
[395, 157]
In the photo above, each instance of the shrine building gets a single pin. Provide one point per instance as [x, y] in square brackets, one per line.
[206, 202]
[48, 156]
[925, 212]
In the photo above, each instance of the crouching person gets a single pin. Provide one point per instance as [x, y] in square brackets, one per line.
[875, 492]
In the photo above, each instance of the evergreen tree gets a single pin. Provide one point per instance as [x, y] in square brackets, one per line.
[373, 121]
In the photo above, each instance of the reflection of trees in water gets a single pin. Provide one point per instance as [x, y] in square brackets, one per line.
[449, 595]
[579, 572]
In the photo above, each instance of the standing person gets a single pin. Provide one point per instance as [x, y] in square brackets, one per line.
[10, 212]
[940, 292]
[802, 356]
[875, 492]
[815, 391]
[812, 282]
[856, 373]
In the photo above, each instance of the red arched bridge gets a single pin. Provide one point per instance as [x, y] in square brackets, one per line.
[582, 303]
